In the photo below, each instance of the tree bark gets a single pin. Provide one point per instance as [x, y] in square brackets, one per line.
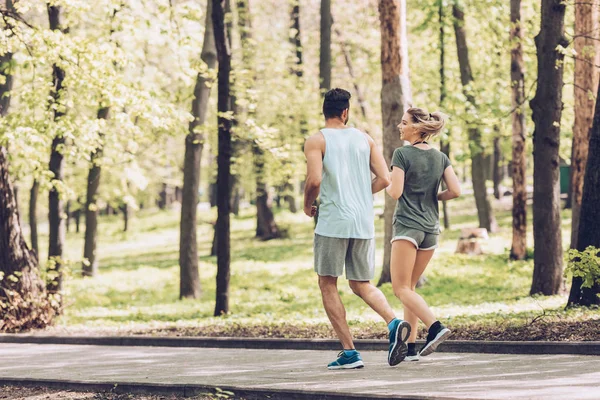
[33, 197]
[546, 109]
[484, 208]
[223, 159]
[444, 143]
[589, 234]
[395, 97]
[90, 263]
[77, 216]
[587, 46]
[497, 168]
[518, 249]
[325, 49]
[55, 203]
[22, 291]
[189, 286]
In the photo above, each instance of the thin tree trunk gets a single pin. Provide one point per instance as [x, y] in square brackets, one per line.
[77, 216]
[55, 203]
[362, 102]
[444, 143]
[546, 109]
[484, 208]
[325, 48]
[497, 168]
[90, 263]
[189, 286]
[589, 234]
[518, 249]
[223, 159]
[68, 216]
[125, 210]
[22, 291]
[587, 46]
[33, 197]
[395, 97]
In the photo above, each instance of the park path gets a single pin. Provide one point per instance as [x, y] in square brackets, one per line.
[297, 373]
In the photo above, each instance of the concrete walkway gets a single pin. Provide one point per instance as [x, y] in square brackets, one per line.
[302, 373]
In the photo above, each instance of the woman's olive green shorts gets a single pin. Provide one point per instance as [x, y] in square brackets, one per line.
[421, 240]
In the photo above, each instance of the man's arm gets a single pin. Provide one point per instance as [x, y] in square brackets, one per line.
[379, 168]
[313, 151]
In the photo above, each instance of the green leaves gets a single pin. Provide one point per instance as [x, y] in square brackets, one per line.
[584, 264]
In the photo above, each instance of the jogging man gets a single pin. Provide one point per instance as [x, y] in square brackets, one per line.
[340, 160]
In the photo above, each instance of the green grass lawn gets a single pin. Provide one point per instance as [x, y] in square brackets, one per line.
[273, 287]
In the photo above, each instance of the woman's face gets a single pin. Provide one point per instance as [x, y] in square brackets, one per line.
[407, 129]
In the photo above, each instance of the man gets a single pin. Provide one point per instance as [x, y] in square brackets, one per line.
[340, 160]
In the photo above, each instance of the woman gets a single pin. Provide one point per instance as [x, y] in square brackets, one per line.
[417, 171]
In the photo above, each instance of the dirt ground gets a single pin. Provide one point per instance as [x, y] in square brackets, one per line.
[41, 393]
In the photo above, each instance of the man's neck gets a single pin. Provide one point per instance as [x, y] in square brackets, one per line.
[334, 123]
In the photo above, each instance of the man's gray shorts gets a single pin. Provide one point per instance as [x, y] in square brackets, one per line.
[357, 254]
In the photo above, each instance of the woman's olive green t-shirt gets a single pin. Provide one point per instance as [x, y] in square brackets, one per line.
[423, 171]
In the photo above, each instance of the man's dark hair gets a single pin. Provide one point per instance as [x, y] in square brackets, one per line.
[335, 102]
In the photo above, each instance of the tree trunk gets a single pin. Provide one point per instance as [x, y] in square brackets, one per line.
[189, 286]
[90, 262]
[546, 109]
[325, 49]
[68, 216]
[444, 143]
[362, 102]
[33, 197]
[77, 216]
[55, 203]
[395, 97]
[589, 234]
[497, 168]
[125, 210]
[587, 46]
[518, 249]
[22, 291]
[484, 208]
[223, 159]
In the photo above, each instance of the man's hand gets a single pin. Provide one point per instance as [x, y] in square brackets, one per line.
[310, 211]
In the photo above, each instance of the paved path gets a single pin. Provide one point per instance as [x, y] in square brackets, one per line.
[447, 375]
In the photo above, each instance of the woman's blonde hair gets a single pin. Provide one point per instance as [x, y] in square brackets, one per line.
[429, 124]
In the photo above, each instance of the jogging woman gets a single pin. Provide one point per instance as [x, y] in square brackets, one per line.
[417, 171]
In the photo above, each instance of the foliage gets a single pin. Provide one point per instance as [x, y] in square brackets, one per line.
[585, 265]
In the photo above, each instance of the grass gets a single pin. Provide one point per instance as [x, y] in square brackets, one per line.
[273, 287]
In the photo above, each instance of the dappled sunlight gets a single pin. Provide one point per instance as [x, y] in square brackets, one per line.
[274, 282]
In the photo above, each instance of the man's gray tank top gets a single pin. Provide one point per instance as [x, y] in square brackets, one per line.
[346, 209]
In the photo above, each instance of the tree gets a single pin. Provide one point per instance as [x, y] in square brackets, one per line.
[589, 234]
[189, 284]
[518, 249]
[325, 51]
[266, 228]
[55, 202]
[395, 97]
[444, 143]
[484, 208]
[587, 47]
[22, 291]
[223, 159]
[33, 196]
[90, 262]
[546, 109]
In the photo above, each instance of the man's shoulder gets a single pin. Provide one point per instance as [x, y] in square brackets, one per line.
[315, 141]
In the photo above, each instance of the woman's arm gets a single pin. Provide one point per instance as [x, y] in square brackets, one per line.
[396, 188]
[452, 184]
